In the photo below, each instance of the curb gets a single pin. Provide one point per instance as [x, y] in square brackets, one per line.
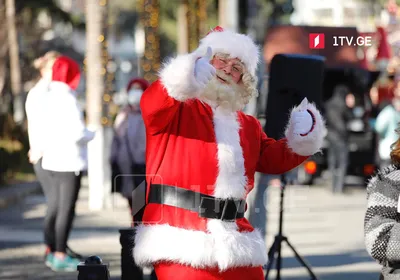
[15, 193]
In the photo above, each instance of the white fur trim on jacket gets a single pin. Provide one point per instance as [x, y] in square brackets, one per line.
[236, 45]
[177, 76]
[231, 180]
[222, 246]
[312, 142]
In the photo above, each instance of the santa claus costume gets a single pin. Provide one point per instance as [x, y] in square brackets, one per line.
[202, 155]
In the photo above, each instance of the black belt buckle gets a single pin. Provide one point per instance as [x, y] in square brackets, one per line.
[222, 209]
[207, 207]
[229, 214]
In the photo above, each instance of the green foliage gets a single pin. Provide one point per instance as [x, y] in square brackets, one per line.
[36, 6]
[14, 147]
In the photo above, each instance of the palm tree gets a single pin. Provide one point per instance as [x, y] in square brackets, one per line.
[96, 59]
[3, 46]
[15, 69]
[11, 24]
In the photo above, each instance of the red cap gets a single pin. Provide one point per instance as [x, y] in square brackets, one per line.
[66, 70]
[141, 82]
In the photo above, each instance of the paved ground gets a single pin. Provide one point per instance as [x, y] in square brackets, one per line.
[327, 230]
[95, 233]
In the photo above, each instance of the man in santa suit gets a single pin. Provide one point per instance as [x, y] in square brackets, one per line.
[202, 154]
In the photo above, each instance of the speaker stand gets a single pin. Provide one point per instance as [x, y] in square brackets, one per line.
[276, 248]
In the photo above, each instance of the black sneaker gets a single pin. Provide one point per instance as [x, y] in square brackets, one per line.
[73, 254]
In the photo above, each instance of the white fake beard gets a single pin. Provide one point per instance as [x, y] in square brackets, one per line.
[228, 96]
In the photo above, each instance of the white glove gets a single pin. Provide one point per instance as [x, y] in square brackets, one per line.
[34, 156]
[203, 70]
[302, 120]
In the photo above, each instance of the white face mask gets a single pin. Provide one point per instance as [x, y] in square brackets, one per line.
[134, 96]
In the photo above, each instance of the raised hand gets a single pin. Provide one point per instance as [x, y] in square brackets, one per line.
[203, 70]
[302, 120]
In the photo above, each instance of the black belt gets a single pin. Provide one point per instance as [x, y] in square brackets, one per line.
[207, 206]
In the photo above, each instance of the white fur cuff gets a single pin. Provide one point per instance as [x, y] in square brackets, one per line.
[223, 246]
[310, 143]
[177, 76]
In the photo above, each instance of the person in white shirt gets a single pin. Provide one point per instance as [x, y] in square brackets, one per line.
[35, 117]
[43, 65]
[64, 140]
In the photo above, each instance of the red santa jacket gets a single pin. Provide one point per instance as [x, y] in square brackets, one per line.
[193, 146]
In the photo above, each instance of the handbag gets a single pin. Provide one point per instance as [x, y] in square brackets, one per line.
[116, 180]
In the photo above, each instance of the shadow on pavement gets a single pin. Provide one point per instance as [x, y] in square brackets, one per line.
[329, 260]
[337, 276]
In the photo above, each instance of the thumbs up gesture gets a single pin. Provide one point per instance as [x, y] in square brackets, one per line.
[303, 121]
[203, 70]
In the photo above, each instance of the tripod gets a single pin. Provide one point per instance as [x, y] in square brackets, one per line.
[276, 247]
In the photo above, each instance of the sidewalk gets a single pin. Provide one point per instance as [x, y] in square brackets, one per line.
[326, 230]
[94, 233]
[10, 195]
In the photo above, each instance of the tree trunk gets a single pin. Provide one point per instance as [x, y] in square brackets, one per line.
[192, 19]
[183, 36]
[150, 10]
[15, 69]
[228, 14]
[98, 149]
[5, 100]
[3, 47]
[202, 18]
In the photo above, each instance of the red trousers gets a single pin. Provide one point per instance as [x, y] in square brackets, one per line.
[172, 271]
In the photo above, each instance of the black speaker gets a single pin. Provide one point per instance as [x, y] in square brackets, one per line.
[292, 77]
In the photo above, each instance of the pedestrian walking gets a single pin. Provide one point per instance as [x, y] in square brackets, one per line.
[36, 119]
[128, 152]
[64, 139]
[338, 114]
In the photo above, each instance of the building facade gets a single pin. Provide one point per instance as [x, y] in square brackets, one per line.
[361, 14]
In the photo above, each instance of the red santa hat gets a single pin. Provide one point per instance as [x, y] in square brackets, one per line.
[234, 44]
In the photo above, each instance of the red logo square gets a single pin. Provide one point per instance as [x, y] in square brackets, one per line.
[316, 40]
